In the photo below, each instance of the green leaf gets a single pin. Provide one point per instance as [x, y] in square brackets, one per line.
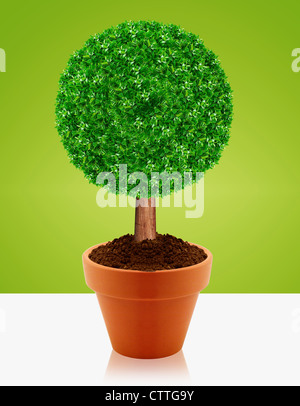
[145, 94]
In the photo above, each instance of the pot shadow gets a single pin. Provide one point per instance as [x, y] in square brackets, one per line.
[123, 370]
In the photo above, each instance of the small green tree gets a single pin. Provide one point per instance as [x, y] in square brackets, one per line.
[147, 95]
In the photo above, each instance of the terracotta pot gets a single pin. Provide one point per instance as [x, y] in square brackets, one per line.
[147, 314]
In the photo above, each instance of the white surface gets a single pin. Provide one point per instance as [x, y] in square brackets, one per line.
[232, 340]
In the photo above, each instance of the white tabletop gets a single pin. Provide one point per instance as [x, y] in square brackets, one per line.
[232, 340]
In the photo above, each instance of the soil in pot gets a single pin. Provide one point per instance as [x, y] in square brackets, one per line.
[165, 252]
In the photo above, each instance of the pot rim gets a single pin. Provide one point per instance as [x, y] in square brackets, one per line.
[108, 268]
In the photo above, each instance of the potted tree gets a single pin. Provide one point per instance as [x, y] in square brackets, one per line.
[152, 97]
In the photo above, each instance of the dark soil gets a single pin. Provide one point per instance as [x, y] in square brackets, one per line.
[165, 252]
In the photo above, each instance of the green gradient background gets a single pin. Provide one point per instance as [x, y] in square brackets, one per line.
[49, 214]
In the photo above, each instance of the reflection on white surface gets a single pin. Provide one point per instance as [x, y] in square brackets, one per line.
[233, 340]
[171, 370]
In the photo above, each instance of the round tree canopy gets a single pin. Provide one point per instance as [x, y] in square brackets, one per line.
[147, 95]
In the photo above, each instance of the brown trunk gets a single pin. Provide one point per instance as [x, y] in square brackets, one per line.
[145, 219]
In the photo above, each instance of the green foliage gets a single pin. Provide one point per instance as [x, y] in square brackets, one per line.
[147, 95]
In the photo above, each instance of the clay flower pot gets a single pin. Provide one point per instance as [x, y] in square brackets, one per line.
[147, 314]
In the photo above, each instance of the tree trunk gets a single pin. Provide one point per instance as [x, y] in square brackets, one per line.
[145, 219]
